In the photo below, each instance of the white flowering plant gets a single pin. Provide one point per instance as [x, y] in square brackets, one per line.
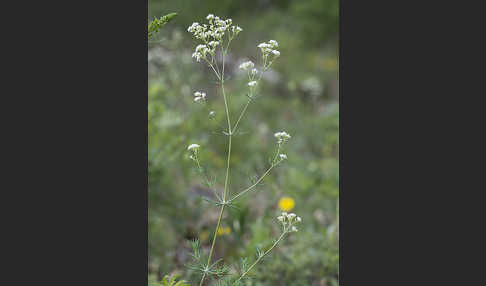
[215, 38]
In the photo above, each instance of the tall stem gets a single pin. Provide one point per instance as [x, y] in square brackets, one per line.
[225, 181]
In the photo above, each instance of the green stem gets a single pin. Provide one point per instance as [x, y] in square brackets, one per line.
[259, 258]
[225, 183]
[241, 114]
[256, 183]
[261, 178]
[212, 245]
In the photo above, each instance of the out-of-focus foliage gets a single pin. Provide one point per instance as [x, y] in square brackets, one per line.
[169, 281]
[156, 24]
[299, 95]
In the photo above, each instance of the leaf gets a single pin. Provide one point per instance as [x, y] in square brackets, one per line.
[172, 281]
[156, 24]
[164, 280]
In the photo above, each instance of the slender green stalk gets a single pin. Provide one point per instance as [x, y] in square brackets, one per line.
[241, 115]
[252, 186]
[225, 181]
[212, 245]
[260, 257]
[249, 100]
[261, 178]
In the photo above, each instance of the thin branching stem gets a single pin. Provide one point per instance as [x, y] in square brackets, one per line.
[250, 99]
[255, 184]
[261, 257]
[227, 172]
[241, 115]
[274, 163]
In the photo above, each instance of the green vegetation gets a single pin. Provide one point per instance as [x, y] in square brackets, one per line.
[299, 95]
[156, 24]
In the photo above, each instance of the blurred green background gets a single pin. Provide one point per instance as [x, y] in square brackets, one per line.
[298, 95]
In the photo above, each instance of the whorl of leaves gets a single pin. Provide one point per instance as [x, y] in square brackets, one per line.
[156, 24]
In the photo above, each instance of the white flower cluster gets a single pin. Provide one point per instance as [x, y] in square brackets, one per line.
[252, 72]
[199, 96]
[283, 156]
[201, 51]
[193, 148]
[282, 137]
[247, 65]
[212, 34]
[269, 47]
[288, 221]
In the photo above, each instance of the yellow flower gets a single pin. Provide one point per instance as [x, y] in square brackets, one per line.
[286, 204]
[227, 230]
[224, 230]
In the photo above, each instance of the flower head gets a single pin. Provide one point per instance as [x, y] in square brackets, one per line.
[247, 65]
[282, 137]
[252, 83]
[268, 48]
[199, 96]
[283, 156]
[288, 221]
[212, 33]
[193, 146]
[273, 44]
[286, 204]
[224, 230]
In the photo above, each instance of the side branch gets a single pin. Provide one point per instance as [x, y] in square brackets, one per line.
[260, 257]
[255, 184]
[241, 115]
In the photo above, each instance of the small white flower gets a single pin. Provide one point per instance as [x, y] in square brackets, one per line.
[280, 218]
[247, 65]
[273, 43]
[276, 53]
[210, 17]
[252, 83]
[294, 229]
[213, 44]
[198, 96]
[263, 45]
[299, 219]
[212, 113]
[254, 71]
[236, 29]
[282, 136]
[197, 56]
[283, 156]
[193, 27]
[291, 215]
[193, 146]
